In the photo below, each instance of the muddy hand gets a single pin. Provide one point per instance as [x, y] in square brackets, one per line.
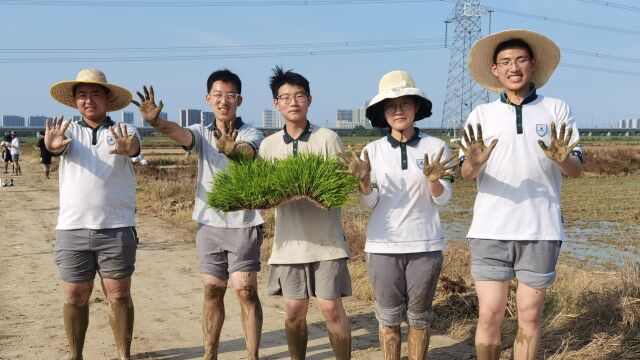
[226, 140]
[438, 168]
[54, 139]
[560, 147]
[125, 143]
[149, 111]
[475, 153]
[361, 169]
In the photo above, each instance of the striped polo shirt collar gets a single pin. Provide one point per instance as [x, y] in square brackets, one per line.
[413, 141]
[303, 137]
[108, 122]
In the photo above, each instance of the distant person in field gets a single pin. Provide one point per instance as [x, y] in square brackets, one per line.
[45, 155]
[412, 178]
[96, 226]
[310, 252]
[6, 154]
[14, 149]
[517, 223]
[228, 244]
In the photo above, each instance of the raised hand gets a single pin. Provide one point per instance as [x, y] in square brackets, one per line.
[438, 168]
[361, 169]
[559, 149]
[125, 144]
[226, 140]
[54, 138]
[475, 153]
[149, 111]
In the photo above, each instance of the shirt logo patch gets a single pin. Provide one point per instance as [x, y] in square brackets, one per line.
[110, 140]
[541, 129]
[420, 163]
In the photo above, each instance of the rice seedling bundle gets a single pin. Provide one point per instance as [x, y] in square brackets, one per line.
[262, 184]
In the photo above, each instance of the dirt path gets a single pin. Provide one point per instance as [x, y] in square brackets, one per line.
[166, 291]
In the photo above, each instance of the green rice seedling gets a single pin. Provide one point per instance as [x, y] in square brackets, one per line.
[263, 184]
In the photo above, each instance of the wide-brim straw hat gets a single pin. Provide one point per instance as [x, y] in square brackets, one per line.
[545, 51]
[395, 84]
[63, 91]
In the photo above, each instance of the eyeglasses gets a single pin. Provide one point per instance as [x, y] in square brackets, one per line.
[391, 107]
[286, 98]
[231, 96]
[520, 61]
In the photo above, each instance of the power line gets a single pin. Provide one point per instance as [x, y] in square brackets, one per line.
[613, 5]
[204, 3]
[566, 22]
[220, 56]
[602, 56]
[599, 69]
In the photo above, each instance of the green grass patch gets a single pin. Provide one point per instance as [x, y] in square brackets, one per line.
[263, 184]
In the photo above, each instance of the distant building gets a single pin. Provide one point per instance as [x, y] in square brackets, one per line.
[163, 115]
[207, 118]
[622, 124]
[189, 117]
[344, 119]
[271, 119]
[127, 117]
[37, 120]
[12, 120]
[635, 123]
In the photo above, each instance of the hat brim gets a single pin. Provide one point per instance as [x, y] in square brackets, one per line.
[375, 111]
[480, 62]
[62, 92]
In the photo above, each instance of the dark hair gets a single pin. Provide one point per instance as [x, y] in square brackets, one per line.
[512, 44]
[224, 75]
[41, 132]
[281, 77]
[7, 137]
[106, 89]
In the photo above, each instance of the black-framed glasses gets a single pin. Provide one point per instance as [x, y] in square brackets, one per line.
[520, 61]
[391, 107]
[286, 98]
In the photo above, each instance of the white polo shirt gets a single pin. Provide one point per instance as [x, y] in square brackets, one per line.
[210, 161]
[519, 186]
[15, 146]
[97, 189]
[405, 216]
[304, 232]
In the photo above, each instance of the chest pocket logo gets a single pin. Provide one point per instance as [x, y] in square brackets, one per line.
[541, 129]
[110, 140]
[420, 163]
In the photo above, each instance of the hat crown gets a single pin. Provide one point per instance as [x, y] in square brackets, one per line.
[394, 80]
[91, 75]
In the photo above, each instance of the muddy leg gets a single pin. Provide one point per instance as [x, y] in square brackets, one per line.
[251, 311]
[212, 318]
[418, 343]
[295, 327]
[121, 317]
[390, 341]
[338, 327]
[76, 321]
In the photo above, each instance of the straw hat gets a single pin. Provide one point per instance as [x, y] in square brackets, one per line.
[546, 53]
[63, 91]
[393, 85]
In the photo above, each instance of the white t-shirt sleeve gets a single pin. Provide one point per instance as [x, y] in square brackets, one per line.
[196, 136]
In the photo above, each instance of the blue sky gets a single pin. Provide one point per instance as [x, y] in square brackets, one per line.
[337, 80]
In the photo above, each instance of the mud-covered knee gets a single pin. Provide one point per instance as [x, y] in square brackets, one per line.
[390, 317]
[247, 293]
[420, 320]
[213, 292]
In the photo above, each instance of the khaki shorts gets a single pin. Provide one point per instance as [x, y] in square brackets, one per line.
[404, 286]
[223, 251]
[80, 253]
[327, 279]
[531, 262]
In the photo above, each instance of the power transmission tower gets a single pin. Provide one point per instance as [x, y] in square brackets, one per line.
[463, 93]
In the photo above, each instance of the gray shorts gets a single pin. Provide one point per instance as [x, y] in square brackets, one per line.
[15, 157]
[80, 253]
[531, 262]
[404, 286]
[327, 279]
[223, 251]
